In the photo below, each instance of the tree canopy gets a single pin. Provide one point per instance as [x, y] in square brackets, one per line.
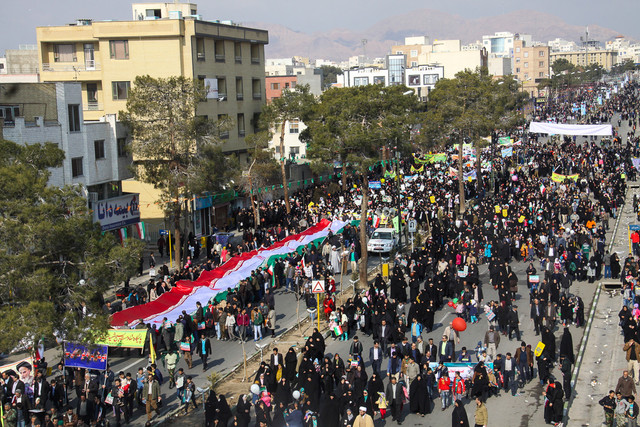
[292, 104]
[173, 148]
[470, 107]
[54, 261]
[352, 126]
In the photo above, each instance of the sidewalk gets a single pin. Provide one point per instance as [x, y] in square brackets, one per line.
[603, 359]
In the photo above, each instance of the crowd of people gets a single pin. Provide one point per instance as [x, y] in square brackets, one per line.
[556, 226]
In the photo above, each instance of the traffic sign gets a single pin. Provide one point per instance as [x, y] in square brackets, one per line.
[317, 286]
[164, 232]
[412, 225]
[634, 227]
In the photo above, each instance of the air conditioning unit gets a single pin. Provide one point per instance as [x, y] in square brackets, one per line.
[93, 196]
[175, 14]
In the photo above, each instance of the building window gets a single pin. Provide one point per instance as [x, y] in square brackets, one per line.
[541, 64]
[74, 117]
[256, 89]
[517, 50]
[360, 81]
[122, 147]
[517, 60]
[200, 48]
[239, 89]
[222, 89]
[219, 50]
[286, 85]
[237, 50]
[223, 133]
[540, 74]
[240, 121]
[526, 54]
[255, 54]
[293, 85]
[98, 148]
[120, 90]
[294, 126]
[275, 86]
[153, 13]
[293, 152]
[9, 113]
[526, 76]
[119, 49]
[92, 92]
[414, 63]
[76, 167]
[541, 53]
[430, 79]
[414, 53]
[526, 65]
[399, 52]
[256, 122]
[517, 70]
[64, 53]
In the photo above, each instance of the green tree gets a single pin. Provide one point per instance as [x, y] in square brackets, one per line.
[469, 107]
[173, 148]
[330, 75]
[54, 261]
[262, 171]
[292, 104]
[353, 125]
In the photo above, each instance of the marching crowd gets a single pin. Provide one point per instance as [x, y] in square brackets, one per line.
[556, 226]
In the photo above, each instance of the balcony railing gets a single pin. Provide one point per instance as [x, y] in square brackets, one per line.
[257, 96]
[57, 67]
[93, 106]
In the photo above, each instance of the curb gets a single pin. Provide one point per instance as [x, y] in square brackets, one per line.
[585, 336]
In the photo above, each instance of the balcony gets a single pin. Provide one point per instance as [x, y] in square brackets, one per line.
[61, 67]
[92, 106]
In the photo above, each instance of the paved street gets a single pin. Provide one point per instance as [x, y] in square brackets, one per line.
[603, 360]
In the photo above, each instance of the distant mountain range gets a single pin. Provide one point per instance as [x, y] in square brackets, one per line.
[340, 44]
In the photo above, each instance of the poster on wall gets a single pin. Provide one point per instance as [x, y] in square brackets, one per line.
[81, 356]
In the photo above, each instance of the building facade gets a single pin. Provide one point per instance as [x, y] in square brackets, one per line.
[531, 64]
[106, 57]
[582, 58]
[96, 157]
[162, 40]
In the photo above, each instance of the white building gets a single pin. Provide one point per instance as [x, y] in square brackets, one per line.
[501, 43]
[423, 78]
[561, 45]
[96, 157]
[294, 149]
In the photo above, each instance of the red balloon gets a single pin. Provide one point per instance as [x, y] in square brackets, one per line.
[451, 304]
[459, 324]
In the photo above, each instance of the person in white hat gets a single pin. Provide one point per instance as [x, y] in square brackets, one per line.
[363, 419]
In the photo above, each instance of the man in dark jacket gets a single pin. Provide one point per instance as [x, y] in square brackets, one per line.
[203, 348]
[513, 322]
[395, 398]
[609, 404]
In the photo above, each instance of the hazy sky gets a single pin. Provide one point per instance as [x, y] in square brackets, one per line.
[18, 18]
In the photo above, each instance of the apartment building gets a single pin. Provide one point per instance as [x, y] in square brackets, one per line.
[445, 53]
[96, 158]
[531, 64]
[161, 40]
[584, 57]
